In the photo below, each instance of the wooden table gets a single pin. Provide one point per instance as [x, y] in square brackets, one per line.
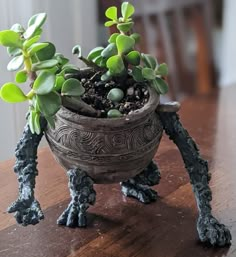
[121, 227]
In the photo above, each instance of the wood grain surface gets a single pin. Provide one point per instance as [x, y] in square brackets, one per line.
[121, 227]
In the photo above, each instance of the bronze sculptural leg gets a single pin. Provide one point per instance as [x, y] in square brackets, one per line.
[26, 208]
[139, 186]
[82, 195]
[209, 229]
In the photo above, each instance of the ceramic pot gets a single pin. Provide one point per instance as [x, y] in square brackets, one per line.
[109, 150]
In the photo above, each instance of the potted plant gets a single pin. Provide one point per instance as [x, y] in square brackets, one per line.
[103, 123]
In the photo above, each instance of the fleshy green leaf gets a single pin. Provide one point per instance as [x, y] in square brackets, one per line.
[11, 93]
[14, 51]
[37, 20]
[34, 122]
[113, 37]
[72, 87]
[30, 42]
[115, 65]
[137, 74]
[111, 13]
[59, 82]
[70, 68]
[44, 65]
[162, 70]
[109, 23]
[124, 44]
[109, 51]
[44, 83]
[125, 27]
[17, 28]
[127, 10]
[133, 58]
[47, 52]
[106, 76]
[10, 38]
[30, 31]
[61, 59]
[160, 86]
[15, 63]
[94, 53]
[115, 95]
[21, 76]
[136, 37]
[149, 61]
[49, 104]
[36, 47]
[51, 121]
[113, 113]
[148, 73]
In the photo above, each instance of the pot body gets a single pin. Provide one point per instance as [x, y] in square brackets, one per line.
[109, 150]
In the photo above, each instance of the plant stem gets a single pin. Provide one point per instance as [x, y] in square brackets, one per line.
[30, 94]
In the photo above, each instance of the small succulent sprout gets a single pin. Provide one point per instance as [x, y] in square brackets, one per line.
[162, 70]
[111, 13]
[34, 25]
[127, 10]
[72, 87]
[11, 93]
[77, 50]
[18, 28]
[115, 95]
[114, 113]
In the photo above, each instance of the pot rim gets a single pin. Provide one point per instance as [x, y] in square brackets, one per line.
[149, 107]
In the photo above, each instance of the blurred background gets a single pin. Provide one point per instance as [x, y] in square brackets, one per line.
[196, 38]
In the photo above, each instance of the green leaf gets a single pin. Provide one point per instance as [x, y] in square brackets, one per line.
[47, 53]
[21, 76]
[70, 68]
[111, 13]
[36, 47]
[127, 10]
[113, 113]
[106, 76]
[149, 61]
[51, 121]
[44, 65]
[94, 53]
[59, 82]
[124, 44]
[14, 51]
[115, 95]
[162, 70]
[15, 63]
[44, 83]
[34, 122]
[30, 42]
[98, 60]
[109, 51]
[133, 58]
[160, 86]
[49, 104]
[125, 27]
[11, 93]
[37, 20]
[30, 31]
[148, 73]
[77, 50]
[61, 59]
[17, 28]
[113, 37]
[109, 23]
[137, 74]
[10, 38]
[115, 65]
[136, 37]
[72, 87]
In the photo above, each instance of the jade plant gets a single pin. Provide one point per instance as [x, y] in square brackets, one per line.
[53, 81]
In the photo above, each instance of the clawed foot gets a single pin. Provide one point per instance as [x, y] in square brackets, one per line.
[211, 231]
[26, 212]
[142, 193]
[74, 215]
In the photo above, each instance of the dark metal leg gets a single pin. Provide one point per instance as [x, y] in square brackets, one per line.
[82, 194]
[139, 186]
[26, 207]
[209, 229]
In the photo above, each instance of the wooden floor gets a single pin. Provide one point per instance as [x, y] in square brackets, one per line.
[121, 227]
